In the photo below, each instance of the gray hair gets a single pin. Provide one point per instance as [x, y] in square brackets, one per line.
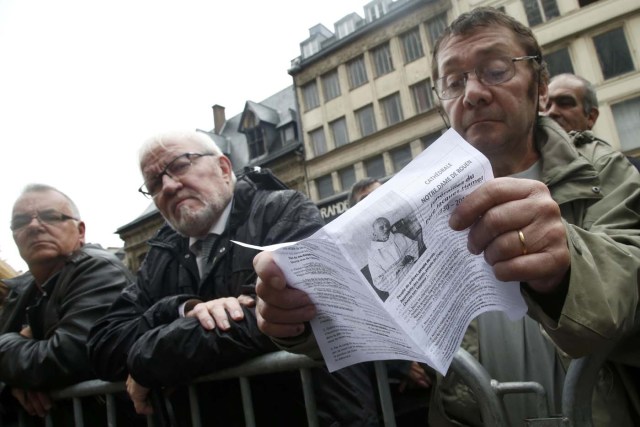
[204, 142]
[43, 188]
[207, 144]
[590, 99]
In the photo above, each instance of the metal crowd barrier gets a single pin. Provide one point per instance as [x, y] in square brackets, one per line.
[266, 364]
[580, 381]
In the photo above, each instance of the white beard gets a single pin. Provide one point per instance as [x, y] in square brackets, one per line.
[195, 222]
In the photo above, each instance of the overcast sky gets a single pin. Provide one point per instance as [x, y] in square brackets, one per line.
[83, 83]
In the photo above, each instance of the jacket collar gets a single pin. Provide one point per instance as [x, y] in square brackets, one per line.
[19, 283]
[563, 163]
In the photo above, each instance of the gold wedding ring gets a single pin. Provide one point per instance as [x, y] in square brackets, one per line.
[522, 242]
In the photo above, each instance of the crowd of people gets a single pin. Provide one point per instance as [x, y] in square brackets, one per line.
[561, 218]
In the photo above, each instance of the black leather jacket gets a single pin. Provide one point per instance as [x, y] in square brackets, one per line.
[143, 333]
[60, 319]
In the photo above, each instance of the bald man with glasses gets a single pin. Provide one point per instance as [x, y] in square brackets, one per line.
[50, 308]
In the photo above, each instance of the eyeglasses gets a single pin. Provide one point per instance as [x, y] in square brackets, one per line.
[49, 217]
[490, 72]
[175, 169]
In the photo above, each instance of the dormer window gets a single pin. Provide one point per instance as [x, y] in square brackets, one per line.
[254, 134]
[376, 9]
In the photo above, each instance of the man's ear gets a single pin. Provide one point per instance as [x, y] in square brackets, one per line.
[543, 96]
[592, 117]
[225, 166]
[81, 231]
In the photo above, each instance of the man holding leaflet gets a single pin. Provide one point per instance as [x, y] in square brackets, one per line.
[567, 229]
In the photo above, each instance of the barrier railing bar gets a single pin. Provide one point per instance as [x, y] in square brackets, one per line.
[477, 378]
[111, 411]
[512, 387]
[579, 383]
[77, 412]
[266, 364]
[194, 405]
[247, 403]
[309, 397]
[88, 388]
[386, 403]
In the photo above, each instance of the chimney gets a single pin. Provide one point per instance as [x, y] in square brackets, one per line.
[218, 118]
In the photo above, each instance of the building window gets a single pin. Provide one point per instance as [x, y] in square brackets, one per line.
[255, 137]
[318, 141]
[382, 59]
[366, 120]
[613, 53]
[310, 95]
[559, 62]
[422, 96]
[345, 27]
[288, 134]
[392, 109]
[339, 132]
[626, 114]
[375, 167]
[539, 11]
[256, 142]
[435, 27]
[330, 85]
[357, 72]
[375, 10]
[401, 157]
[412, 45]
[275, 145]
[310, 47]
[427, 140]
[325, 186]
[347, 178]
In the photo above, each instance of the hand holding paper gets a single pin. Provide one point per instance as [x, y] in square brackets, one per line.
[286, 308]
[369, 302]
[518, 227]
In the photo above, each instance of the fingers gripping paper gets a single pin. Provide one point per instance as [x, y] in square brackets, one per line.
[389, 278]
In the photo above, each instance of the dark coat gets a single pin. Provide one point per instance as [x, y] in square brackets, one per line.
[143, 334]
[60, 318]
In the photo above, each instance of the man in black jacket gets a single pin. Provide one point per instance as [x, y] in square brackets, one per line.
[50, 309]
[190, 311]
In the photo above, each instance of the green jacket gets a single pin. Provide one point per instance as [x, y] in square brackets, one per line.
[598, 192]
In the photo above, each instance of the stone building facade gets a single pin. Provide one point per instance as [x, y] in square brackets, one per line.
[364, 89]
[361, 103]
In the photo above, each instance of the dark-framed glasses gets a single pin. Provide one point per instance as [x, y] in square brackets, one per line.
[49, 216]
[175, 169]
[490, 72]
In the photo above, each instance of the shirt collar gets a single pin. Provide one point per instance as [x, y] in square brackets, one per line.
[219, 226]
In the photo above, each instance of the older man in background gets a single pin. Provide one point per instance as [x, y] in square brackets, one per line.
[50, 309]
[190, 311]
[573, 103]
